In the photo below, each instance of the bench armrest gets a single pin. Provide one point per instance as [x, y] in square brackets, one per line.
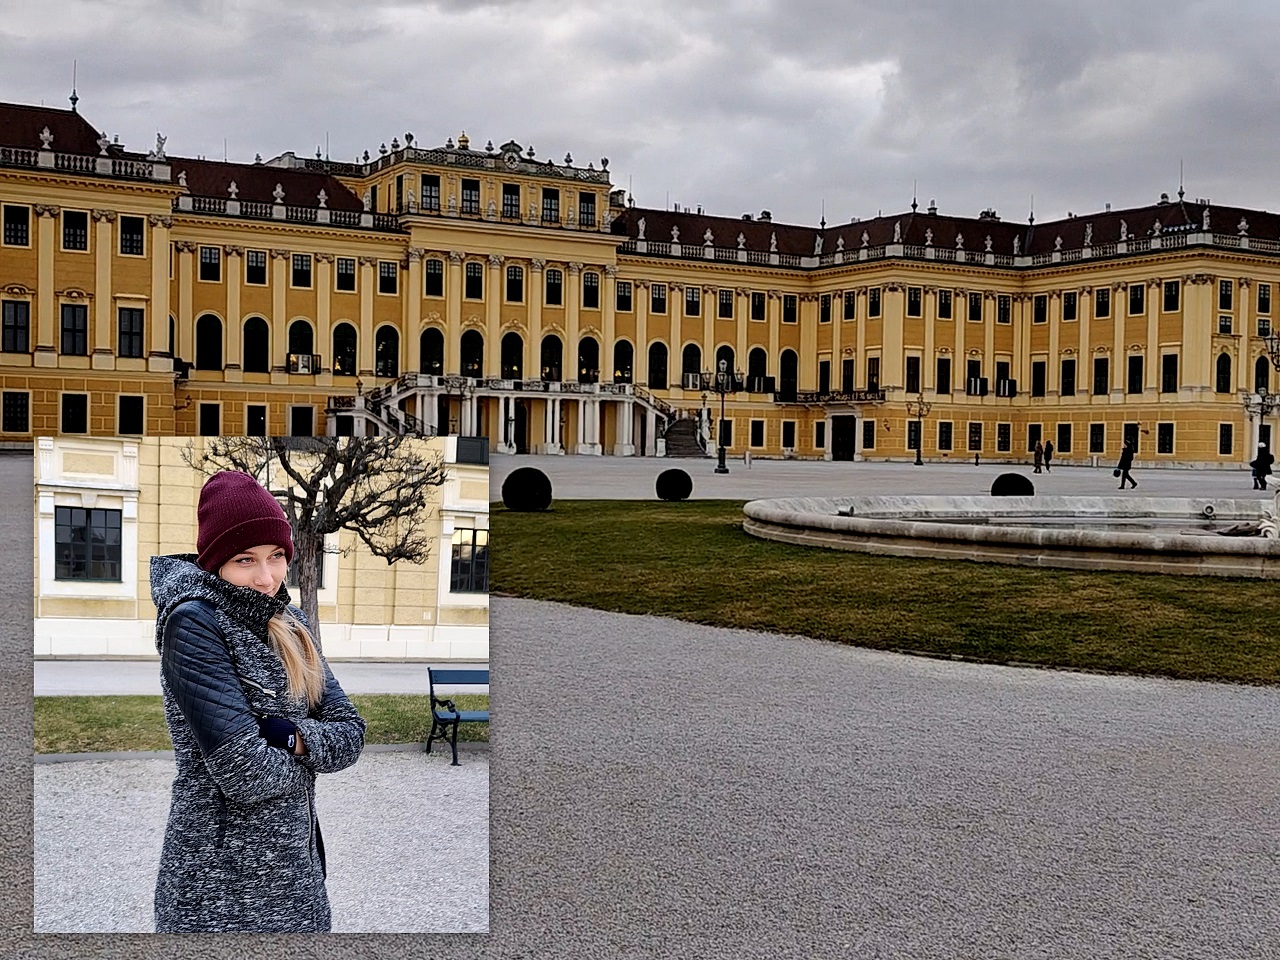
[443, 702]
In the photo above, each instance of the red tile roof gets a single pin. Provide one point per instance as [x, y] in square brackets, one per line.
[257, 182]
[21, 125]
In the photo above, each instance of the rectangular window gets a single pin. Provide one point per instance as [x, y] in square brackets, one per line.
[944, 304]
[591, 291]
[1063, 443]
[1225, 440]
[1137, 299]
[873, 373]
[515, 284]
[692, 301]
[824, 308]
[820, 435]
[433, 277]
[302, 270]
[873, 302]
[1264, 298]
[658, 298]
[75, 413]
[470, 196]
[622, 297]
[868, 434]
[789, 434]
[1038, 377]
[1226, 294]
[388, 276]
[255, 267]
[511, 201]
[943, 378]
[210, 420]
[1067, 388]
[75, 330]
[17, 326]
[430, 192]
[1004, 308]
[473, 283]
[824, 376]
[1264, 326]
[975, 308]
[975, 436]
[17, 226]
[302, 421]
[130, 419]
[1164, 438]
[1070, 306]
[344, 276]
[724, 305]
[211, 264]
[75, 230]
[587, 209]
[915, 302]
[1172, 296]
[1004, 437]
[17, 411]
[132, 240]
[1169, 373]
[469, 570]
[129, 324]
[846, 375]
[1101, 376]
[757, 305]
[913, 375]
[944, 435]
[790, 308]
[757, 433]
[255, 420]
[87, 544]
[913, 434]
[1101, 303]
[1224, 324]
[726, 432]
[1040, 309]
[850, 305]
[1135, 374]
[1097, 438]
[550, 205]
[1034, 433]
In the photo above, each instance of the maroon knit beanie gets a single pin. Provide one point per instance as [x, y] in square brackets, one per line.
[236, 513]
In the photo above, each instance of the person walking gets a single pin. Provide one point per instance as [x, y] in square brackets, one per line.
[1261, 464]
[255, 714]
[1048, 454]
[1125, 464]
[1039, 456]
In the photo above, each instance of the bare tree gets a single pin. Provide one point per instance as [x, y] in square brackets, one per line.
[379, 488]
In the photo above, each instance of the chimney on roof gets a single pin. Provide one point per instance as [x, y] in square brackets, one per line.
[766, 216]
[1108, 208]
[746, 216]
[933, 208]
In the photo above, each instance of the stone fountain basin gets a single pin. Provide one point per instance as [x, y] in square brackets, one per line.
[1133, 534]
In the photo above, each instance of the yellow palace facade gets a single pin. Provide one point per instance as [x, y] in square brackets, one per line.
[486, 292]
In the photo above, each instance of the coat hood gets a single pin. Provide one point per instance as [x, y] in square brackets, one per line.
[177, 578]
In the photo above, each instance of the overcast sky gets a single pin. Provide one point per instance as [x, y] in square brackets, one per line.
[735, 105]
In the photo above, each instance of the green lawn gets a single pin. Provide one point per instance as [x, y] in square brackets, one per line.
[105, 724]
[692, 561]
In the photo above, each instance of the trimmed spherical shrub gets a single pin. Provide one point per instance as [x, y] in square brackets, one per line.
[527, 489]
[674, 484]
[1013, 485]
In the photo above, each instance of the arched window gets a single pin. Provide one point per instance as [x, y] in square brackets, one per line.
[512, 356]
[1223, 384]
[386, 352]
[301, 337]
[757, 363]
[256, 353]
[622, 355]
[1262, 375]
[658, 366]
[552, 357]
[725, 353]
[588, 360]
[344, 350]
[208, 343]
[432, 344]
[691, 359]
[788, 377]
[173, 330]
[472, 354]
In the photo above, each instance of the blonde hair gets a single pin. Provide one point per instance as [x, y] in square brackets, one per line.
[297, 651]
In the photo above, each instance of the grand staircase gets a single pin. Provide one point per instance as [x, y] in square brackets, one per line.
[682, 439]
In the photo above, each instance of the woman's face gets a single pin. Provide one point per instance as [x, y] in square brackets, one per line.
[259, 568]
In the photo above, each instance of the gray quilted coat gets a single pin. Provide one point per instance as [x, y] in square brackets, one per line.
[242, 850]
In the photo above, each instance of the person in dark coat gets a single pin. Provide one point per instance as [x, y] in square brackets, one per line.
[1126, 462]
[255, 714]
[1261, 465]
[1039, 456]
[1048, 454]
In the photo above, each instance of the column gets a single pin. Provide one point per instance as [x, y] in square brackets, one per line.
[186, 321]
[368, 279]
[158, 358]
[453, 315]
[572, 305]
[103, 355]
[323, 344]
[1240, 322]
[412, 326]
[1084, 366]
[826, 450]
[1152, 371]
[533, 344]
[609, 317]
[641, 303]
[651, 432]
[46, 352]
[837, 358]
[232, 275]
[492, 317]
[582, 427]
[1120, 363]
[928, 357]
[893, 310]
[808, 372]
[710, 307]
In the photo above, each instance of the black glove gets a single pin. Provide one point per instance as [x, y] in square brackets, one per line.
[279, 732]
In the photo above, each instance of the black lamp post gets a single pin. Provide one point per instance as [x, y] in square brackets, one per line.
[723, 382]
[1259, 404]
[918, 408]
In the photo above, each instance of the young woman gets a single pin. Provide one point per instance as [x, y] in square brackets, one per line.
[255, 714]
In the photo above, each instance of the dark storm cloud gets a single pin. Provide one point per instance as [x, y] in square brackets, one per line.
[737, 105]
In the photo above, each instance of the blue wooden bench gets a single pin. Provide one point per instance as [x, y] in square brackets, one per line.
[445, 716]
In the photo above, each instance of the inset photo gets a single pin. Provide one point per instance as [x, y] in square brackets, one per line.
[261, 685]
